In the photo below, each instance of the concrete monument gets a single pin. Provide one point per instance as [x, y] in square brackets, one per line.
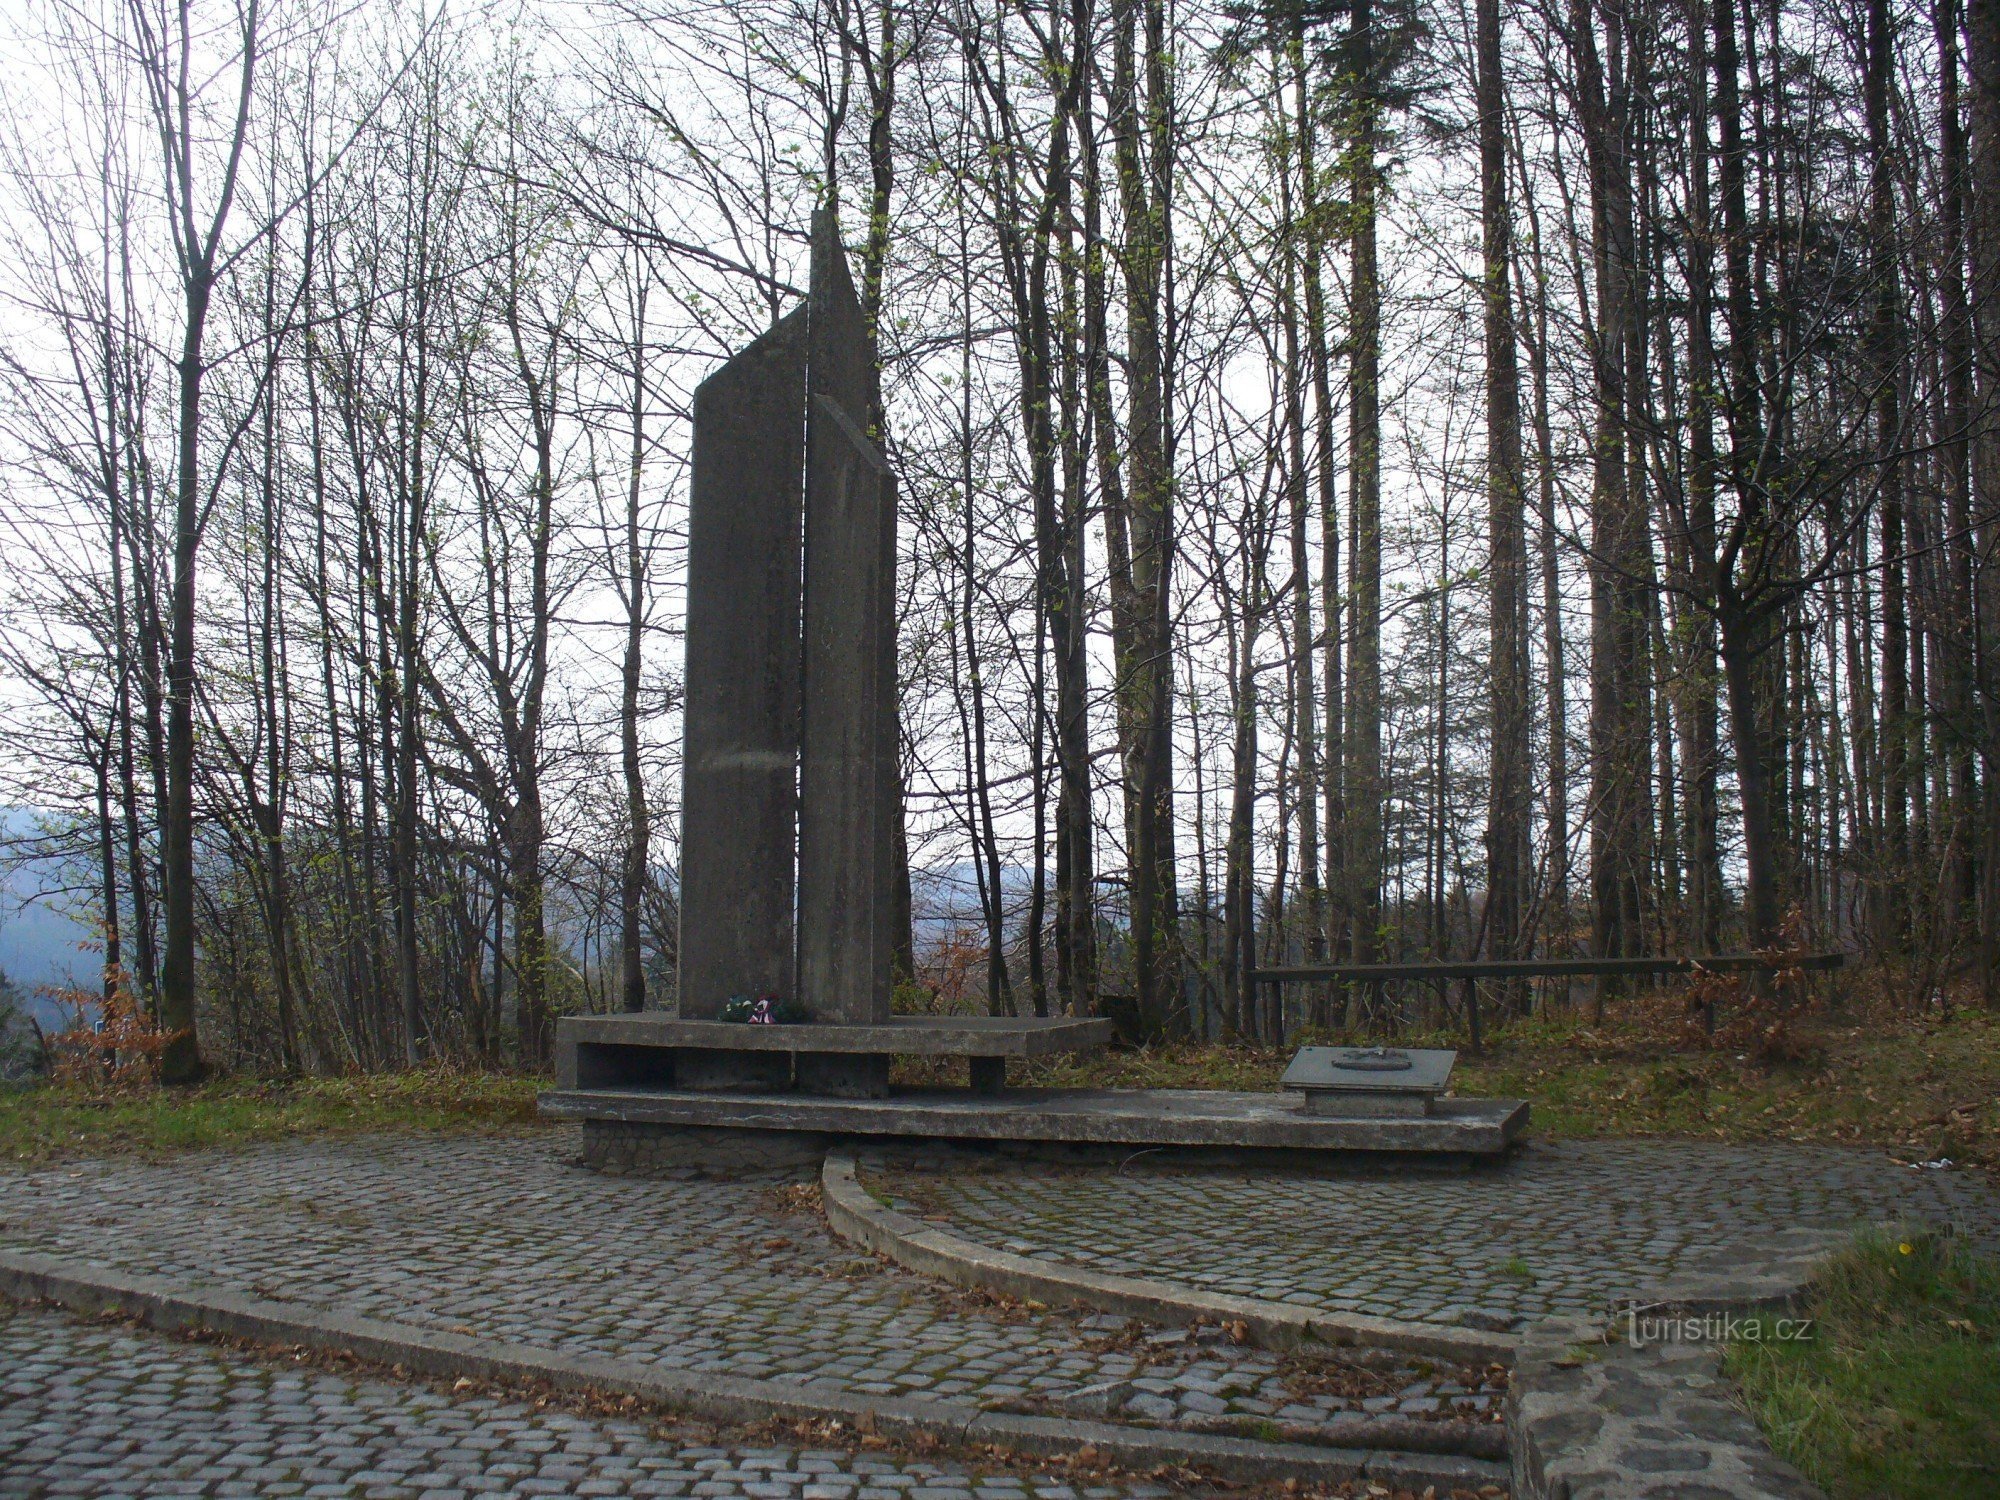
[790, 815]
[790, 792]
[789, 771]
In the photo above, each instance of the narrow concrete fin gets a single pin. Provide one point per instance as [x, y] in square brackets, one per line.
[863, 444]
[844, 360]
[831, 280]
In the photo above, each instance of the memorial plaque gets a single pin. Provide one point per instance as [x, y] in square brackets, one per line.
[1368, 1081]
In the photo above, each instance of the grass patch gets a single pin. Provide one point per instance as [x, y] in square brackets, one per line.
[1898, 1392]
[1923, 1085]
[1516, 1269]
[48, 1121]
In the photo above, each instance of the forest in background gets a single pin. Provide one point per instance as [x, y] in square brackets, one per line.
[1379, 479]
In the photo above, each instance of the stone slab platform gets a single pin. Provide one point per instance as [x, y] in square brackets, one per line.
[838, 1059]
[1197, 1118]
[901, 1036]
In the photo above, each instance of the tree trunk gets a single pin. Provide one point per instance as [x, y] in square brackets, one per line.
[632, 884]
[1892, 917]
[1305, 704]
[180, 1060]
[1361, 838]
[1142, 142]
[1618, 748]
[1740, 644]
[1508, 795]
[1982, 67]
[1700, 753]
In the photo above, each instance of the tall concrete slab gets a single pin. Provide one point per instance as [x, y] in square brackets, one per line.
[739, 805]
[848, 787]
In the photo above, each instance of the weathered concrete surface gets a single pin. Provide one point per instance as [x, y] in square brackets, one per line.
[841, 1075]
[643, 1151]
[935, 1251]
[1460, 1130]
[897, 1036]
[791, 785]
[654, 1052]
[739, 803]
[849, 789]
[1368, 1080]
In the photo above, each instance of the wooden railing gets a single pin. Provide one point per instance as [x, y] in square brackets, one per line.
[1471, 971]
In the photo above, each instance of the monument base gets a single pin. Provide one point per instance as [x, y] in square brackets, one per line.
[619, 1149]
[1368, 1106]
[1458, 1132]
[653, 1051]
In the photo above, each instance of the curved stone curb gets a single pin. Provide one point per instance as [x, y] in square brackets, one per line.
[1776, 1280]
[936, 1251]
[713, 1397]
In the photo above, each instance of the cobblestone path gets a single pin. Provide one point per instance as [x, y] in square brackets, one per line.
[1561, 1227]
[498, 1238]
[90, 1410]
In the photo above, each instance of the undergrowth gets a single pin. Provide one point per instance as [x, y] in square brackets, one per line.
[1897, 1392]
[1858, 1069]
[50, 1120]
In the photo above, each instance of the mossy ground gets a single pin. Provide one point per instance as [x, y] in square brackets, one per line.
[1897, 1392]
[47, 1121]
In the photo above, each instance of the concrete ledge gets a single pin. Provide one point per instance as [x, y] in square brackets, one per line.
[935, 1251]
[925, 1036]
[1786, 1263]
[713, 1397]
[620, 1150]
[1458, 1132]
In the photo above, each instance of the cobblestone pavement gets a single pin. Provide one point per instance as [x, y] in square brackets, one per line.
[96, 1410]
[1561, 1227]
[498, 1238]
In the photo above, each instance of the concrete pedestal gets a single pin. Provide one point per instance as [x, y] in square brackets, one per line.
[1459, 1131]
[844, 1062]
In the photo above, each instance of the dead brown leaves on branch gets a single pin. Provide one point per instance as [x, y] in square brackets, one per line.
[108, 1044]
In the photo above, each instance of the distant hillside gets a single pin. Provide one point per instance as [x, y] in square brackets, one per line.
[40, 944]
[946, 897]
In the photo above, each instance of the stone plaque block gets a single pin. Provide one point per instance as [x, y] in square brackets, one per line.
[1368, 1081]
